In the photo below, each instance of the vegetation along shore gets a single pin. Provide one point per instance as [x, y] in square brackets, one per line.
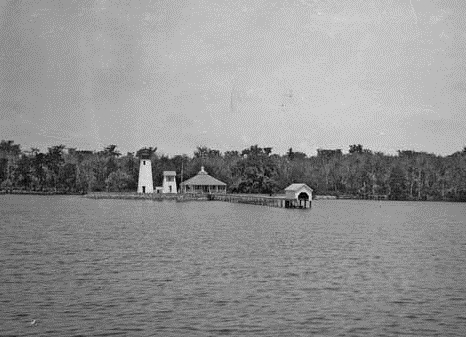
[360, 173]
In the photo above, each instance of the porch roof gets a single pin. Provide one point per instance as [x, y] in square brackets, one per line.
[203, 179]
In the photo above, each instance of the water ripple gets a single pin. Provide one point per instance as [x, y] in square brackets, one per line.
[80, 267]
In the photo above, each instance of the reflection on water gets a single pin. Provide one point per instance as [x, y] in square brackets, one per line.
[119, 267]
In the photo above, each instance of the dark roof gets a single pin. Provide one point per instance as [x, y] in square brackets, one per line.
[202, 178]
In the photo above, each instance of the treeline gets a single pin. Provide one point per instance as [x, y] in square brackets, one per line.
[360, 173]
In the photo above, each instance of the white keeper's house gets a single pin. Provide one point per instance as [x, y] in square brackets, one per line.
[203, 183]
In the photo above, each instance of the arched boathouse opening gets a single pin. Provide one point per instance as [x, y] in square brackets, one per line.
[303, 196]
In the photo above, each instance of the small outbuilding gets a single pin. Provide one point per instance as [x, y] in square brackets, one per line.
[203, 183]
[299, 195]
[169, 182]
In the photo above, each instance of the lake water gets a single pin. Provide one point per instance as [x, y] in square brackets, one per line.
[82, 267]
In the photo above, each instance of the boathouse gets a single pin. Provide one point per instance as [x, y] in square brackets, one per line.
[203, 183]
[299, 195]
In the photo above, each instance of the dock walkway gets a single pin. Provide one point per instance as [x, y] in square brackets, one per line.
[253, 199]
[262, 200]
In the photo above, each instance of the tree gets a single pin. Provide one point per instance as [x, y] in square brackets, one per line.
[397, 183]
[9, 154]
[111, 151]
[130, 165]
[295, 155]
[67, 177]
[6, 185]
[256, 172]
[290, 154]
[206, 152]
[54, 160]
[3, 169]
[38, 168]
[9, 148]
[410, 174]
[355, 148]
[151, 150]
[327, 154]
[117, 181]
[86, 180]
[22, 172]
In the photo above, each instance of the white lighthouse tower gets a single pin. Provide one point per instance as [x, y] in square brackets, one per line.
[145, 184]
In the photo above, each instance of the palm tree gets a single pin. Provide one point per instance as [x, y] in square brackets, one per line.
[149, 150]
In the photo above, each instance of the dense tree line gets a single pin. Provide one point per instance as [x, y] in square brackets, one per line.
[361, 173]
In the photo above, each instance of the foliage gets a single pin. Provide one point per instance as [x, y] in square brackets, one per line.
[6, 185]
[410, 175]
[117, 181]
[151, 150]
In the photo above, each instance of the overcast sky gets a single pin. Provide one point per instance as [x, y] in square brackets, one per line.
[176, 74]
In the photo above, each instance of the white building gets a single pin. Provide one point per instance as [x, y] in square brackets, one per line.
[145, 184]
[298, 196]
[298, 192]
[169, 182]
[203, 183]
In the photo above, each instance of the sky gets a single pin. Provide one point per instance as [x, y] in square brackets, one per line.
[177, 74]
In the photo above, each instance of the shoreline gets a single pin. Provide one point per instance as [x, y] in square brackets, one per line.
[39, 192]
[188, 197]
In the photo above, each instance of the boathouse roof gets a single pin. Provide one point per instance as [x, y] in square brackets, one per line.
[295, 187]
[202, 178]
[169, 173]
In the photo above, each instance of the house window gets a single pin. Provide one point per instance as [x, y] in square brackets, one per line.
[143, 162]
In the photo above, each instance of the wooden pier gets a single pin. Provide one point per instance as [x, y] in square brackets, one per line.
[296, 195]
[270, 201]
[252, 199]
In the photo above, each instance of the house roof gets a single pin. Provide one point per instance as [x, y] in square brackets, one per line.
[169, 173]
[202, 178]
[295, 187]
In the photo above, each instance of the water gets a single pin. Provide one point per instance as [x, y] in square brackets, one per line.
[82, 267]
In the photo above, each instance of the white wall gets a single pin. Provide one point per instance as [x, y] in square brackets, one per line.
[167, 184]
[145, 176]
[294, 194]
[290, 195]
